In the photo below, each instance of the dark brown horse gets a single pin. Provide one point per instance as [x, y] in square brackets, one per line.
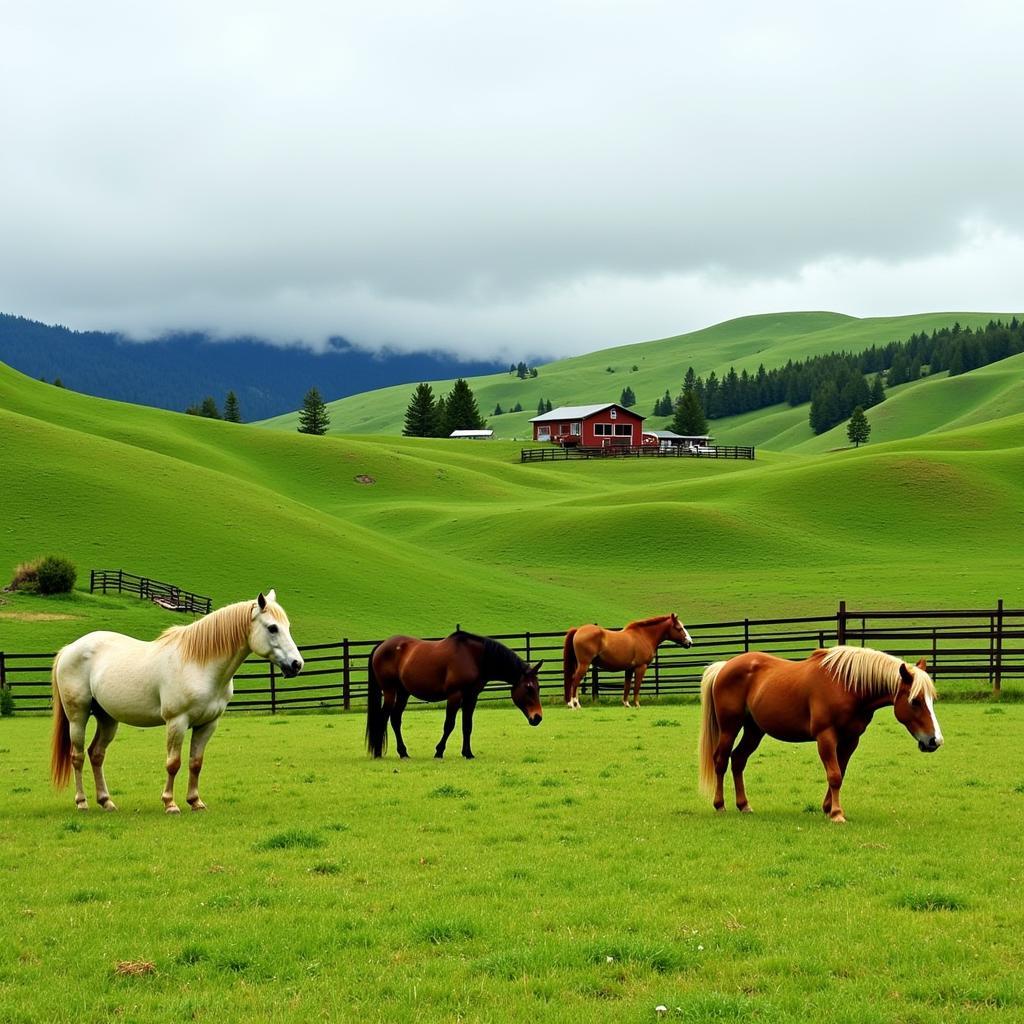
[829, 698]
[455, 670]
[630, 649]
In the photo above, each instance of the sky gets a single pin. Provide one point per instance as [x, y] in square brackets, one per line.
[500, 180]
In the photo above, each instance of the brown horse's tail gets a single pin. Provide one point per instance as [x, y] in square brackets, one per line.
[568, 664]
[376, 720]
[60, 746]
[709, 731]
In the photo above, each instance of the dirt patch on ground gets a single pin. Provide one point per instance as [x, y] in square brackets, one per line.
[362, 478]
[37, 616]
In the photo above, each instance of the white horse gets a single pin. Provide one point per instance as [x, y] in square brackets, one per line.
[183, 679]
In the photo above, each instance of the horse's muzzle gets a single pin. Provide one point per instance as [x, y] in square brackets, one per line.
[292, 669]
[535, 719]
[930, 747]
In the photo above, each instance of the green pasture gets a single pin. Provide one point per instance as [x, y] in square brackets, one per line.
[571, 872]
[745, 343]
[367, 536]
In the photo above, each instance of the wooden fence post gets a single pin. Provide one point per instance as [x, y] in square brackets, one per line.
[841, 624]
[594, 684]
[746, 635]
[657, 675]
[273, 690]
[528, 658]
[346, 676]
[997, 677]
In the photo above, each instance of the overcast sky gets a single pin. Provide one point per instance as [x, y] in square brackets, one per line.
[506, 178]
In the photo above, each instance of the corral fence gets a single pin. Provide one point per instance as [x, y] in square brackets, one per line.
[968, 652]
[556, 453]
[167, 595]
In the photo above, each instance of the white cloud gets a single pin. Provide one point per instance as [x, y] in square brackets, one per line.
[543, 177]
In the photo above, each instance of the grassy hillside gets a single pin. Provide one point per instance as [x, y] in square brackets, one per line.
[746, 342]
[450, 533]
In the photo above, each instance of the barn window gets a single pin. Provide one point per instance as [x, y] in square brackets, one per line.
[615, 412]
[543, 433]
[603, 429]
[576, 429]
[623, 429]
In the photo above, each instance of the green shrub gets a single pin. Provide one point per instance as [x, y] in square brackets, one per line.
[26, 577]
[56, 575]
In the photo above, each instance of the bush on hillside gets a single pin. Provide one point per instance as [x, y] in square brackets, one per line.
[57, 575]
[50, 575]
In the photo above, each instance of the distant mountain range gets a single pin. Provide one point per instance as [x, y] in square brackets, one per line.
[181, 369]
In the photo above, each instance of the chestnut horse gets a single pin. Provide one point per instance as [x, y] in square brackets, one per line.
[830, 698]
[631, 649]
[455, 670]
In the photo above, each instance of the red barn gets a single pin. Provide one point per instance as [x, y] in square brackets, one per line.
[593, 426]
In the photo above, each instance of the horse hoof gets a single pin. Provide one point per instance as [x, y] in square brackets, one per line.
[439, 755]
[469, 757]
[82, 806]
[173, 809]
[838, 819]
[109, 805]
[198, 806]
[746, 809]
[720, 810]
[404, 756]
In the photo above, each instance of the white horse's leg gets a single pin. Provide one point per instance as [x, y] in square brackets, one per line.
[76, 727]
[106, 727]
[176, 729]
[200, 737]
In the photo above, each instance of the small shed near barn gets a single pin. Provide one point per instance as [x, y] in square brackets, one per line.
[670, 439]
[591, 426]
[473, 435]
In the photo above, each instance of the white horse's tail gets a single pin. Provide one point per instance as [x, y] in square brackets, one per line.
[709, 730]
[60, 746]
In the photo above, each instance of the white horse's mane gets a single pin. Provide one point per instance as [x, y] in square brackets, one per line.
[219, 634]
[866, 671]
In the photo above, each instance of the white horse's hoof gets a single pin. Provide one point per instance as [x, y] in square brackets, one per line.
[108, 805]
[198, 806]
[173, 809]
[83, 806]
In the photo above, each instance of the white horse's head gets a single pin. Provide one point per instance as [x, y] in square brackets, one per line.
[269, 635]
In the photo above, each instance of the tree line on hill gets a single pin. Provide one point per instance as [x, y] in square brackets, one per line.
[427, 416]
[836, 383]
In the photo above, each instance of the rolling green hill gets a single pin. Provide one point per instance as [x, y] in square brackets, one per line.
[771, 339]
[447, 532]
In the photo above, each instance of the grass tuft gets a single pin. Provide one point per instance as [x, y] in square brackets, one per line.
[292, 839]
[450, 792]
[439, 931]
[931, 901]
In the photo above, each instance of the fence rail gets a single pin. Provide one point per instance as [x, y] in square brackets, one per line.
[966, 650]
[165, 594]
[556, 453]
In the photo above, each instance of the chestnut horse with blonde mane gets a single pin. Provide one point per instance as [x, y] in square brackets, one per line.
[829, 698]
[183, 680]
[630, 649]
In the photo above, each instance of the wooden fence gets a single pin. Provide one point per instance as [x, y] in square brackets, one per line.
[967, 651]
[118, 581]
[556, 453]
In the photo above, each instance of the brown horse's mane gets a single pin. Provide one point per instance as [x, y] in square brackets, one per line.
[217, 635]
[868, 672]
[655, 620]
[499, 661]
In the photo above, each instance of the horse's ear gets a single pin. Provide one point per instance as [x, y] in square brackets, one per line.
[923, 665]
[262, 601]
[905, 674]
[271, 594]
[534, 669]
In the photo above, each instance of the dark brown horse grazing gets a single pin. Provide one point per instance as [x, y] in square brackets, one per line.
[830, 698]
[455, 670]
[631, 649]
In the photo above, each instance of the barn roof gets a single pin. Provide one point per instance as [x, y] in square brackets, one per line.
[580, 412]
[471, 433]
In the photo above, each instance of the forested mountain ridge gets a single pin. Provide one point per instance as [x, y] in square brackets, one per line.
[180, 369]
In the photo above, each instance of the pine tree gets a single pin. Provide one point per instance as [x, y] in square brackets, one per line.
[518, 407]
[461, 412]
[689, 381]
[627, 398]
[541, 407]
[232, 410]
[209, 408]
[313, 417]
[421, 418]
[877, 390]
[858, 429]
[689, 419]
[498, 411]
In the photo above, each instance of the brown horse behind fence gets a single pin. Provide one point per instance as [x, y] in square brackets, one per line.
[630, 649]
[455, 670]
[830, 698]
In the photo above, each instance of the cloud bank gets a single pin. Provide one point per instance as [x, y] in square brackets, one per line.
[542, 179]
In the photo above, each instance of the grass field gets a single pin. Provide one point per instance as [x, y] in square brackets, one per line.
[452, 533]
[570, 873]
